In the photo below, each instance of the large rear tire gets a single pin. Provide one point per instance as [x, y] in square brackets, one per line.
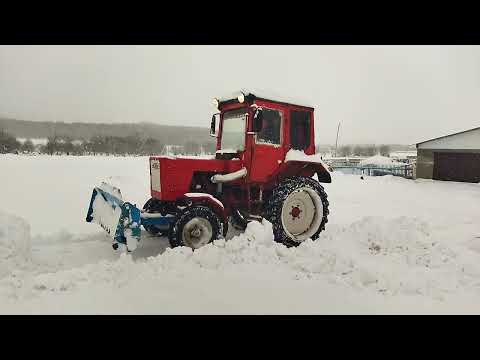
[298, 210]
[195, 227]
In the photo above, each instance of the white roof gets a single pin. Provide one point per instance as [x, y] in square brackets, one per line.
[403, 154]
[465, 140]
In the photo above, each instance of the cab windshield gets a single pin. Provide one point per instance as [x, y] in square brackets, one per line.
[233, 131]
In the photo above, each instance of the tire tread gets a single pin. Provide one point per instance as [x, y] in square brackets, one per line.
[273, 207]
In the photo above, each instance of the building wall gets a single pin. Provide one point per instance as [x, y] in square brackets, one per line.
[424, 168]
[425, 160]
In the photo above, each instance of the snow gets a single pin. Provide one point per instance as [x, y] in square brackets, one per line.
[59, 188]
[226, 151]
[194, 195]
[266, 94]
[403, 155]
[111, 189]
[35, 141]
[15, 251]
[378, 160]
[132, 241]
[391, 245]
[222, 178]
[297, 155]
[192, 157]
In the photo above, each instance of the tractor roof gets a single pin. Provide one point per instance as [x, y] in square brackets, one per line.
[250, 97]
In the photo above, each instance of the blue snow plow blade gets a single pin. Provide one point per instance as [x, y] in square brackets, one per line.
[120, 219]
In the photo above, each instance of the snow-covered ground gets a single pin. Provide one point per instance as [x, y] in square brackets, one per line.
[391, 246]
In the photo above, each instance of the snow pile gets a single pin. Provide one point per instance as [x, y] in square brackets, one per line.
[383, 257]
[15, 252]
[255, 245]
[392, 256]
[111, 187]
[378, 160]
[205, 195]
[267, 94]
[403, 155]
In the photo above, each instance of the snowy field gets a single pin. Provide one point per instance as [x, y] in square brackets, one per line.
[391, 246]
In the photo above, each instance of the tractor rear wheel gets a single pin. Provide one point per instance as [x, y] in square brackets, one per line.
[298, 210]
[195, 227]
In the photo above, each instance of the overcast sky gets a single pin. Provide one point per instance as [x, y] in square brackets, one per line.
[381, 94]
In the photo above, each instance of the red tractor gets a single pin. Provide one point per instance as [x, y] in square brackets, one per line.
[262, 168]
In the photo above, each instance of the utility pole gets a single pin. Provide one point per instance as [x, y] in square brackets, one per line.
[336, 141]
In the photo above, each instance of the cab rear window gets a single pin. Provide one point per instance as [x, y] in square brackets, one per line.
[300, 129]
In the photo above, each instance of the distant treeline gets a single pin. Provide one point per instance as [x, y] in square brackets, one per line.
[84, 138]
[127, 145]
[172, 135]
[364, 150]
[9, 143]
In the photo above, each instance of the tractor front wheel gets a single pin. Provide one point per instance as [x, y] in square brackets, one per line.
[153, 206]
[195, 227]
[298, 210]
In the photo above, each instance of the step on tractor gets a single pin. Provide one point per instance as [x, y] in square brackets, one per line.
[263, 167]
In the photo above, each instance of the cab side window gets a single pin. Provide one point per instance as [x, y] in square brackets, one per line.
[300, 129]
[272, 124]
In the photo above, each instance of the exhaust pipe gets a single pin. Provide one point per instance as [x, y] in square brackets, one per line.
[223, 178]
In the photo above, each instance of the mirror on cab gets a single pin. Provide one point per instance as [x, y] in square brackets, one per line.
[258, 120]
[213, 125]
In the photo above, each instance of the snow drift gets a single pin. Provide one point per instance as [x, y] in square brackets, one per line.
[374, 256]
[15, 251]
[378, 160]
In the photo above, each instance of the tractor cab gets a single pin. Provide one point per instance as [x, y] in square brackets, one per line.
[260, 131]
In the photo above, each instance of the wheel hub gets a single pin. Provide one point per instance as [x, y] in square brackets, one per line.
[295, 212]
[197, 233]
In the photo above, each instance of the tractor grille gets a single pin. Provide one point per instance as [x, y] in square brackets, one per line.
[155, 175]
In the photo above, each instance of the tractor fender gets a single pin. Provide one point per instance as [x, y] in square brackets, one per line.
[323, 173]
[211, 202]
[311, 167]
